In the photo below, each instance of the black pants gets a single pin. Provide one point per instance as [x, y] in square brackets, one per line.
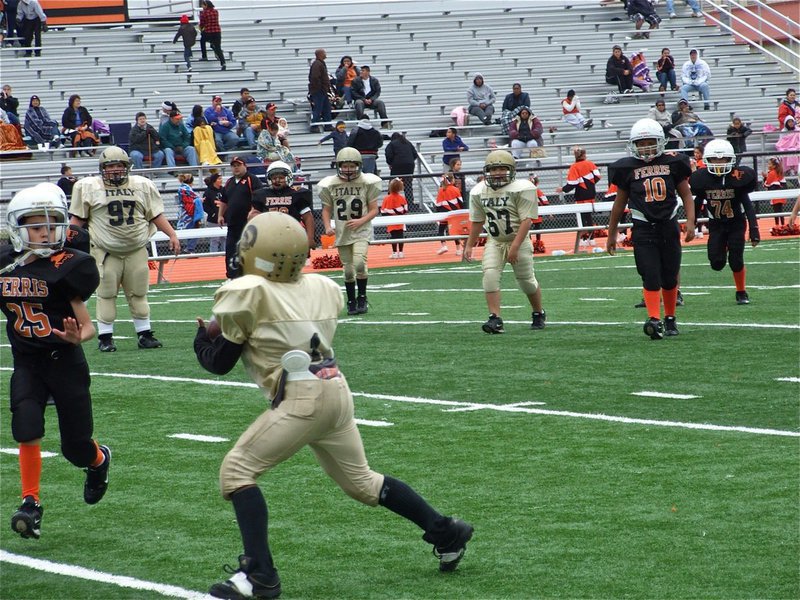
[397, 234]
[623, 82]
[215, 39]
[64, 375]
[396, 170]
[30, 29]
[726, 243]
[657, 251]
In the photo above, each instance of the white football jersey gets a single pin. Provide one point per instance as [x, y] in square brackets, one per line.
[501, 211]
[350, 200]
[271, 318]
[119, 217]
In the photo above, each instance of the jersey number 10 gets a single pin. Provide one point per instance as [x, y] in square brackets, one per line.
[655, 189]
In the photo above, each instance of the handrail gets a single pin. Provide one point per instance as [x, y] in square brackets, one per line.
[780, 15]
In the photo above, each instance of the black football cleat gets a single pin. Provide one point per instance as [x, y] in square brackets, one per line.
[670, 327]
[27, 521]
[538, 320]
[742, 298]
[361, 305]
[679, 299]
[352, 308]
[451, 553]
[97, 479]
[107, 345]
[493, 325]
[147, 340]
[640, 304]
[246, 583]
[654, 328]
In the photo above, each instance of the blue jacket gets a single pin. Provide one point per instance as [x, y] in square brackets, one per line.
[452, 146]
[212, 118]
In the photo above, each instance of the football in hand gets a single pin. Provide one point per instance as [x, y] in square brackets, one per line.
[213, 329]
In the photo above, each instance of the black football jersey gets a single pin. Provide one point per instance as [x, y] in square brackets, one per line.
[287, 200]
[35, 298]
[728, 196]
[651, 186]
[77, 238]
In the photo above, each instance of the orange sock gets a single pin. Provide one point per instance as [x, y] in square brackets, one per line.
[652, 301]
[98, 460]
[738, 279]
[30, 469]
[670, 300]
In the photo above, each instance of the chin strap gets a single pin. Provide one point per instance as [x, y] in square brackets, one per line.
[20, 261]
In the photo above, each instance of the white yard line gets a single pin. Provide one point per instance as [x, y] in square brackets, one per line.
[193, 437]
[15, 452]
[789, 379]
[98, 576]
[665, 395]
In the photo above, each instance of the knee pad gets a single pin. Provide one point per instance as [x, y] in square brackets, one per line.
[529, 285]
[80, 453]
[366, 489]
[106, 309]
[491, 279]
[349, 272]
[736, 263]
[27, 421]
[718, 265]
[139, 307]
[360, 267]
[234, 474]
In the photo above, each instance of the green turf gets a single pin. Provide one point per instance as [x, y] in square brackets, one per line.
[564, 506]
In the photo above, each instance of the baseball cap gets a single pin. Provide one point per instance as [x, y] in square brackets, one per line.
[216, 98]
[238, 159]
[682, 101]
[184, 18]
[271, 105]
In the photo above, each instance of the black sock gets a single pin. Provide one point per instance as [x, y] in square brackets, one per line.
[104, 336]
[399, 498]
[362, 286]
[252, 516]
[350, 287]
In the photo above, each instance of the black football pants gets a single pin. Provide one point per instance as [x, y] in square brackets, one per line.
[726, 241]
[657, 250]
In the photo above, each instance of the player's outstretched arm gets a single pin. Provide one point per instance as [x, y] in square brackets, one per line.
[79, 329]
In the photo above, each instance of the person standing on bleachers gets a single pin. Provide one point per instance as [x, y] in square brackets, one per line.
[210, 32]
[319, 84]
[144, 141]
[366, 92]
[189, 34]
[10, 10]
[176, 140]
[480, 98]
[30, 20]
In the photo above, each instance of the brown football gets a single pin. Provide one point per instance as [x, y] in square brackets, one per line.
[212, 328]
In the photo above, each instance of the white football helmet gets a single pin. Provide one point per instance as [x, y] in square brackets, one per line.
[280, 167]
[347, 156]
[719, 149]
[274, 246]
[115, 165]
[647, 129]
[499, 158]
[37, 201]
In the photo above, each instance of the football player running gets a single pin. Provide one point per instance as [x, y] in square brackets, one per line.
[350, 198]
[648, 182]
[122, 211]
[44, 287]
[726, 189]
[505, 207]
[281, 323]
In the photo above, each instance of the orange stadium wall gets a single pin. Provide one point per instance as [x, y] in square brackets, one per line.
[778, 31]
[82, 12]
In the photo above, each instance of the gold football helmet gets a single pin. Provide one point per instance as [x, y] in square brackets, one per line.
[274, 246]
[115, 166]
[495, 160]
[348, 163]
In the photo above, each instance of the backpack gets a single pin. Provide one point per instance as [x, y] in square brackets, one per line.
[611, 98]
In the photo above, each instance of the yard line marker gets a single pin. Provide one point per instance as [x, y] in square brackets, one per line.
[665, 395]
[481, 407]
[374, 423]
[496, 407]
[411, 314]
[198, 438]
[598, 299]
[91, 575]
[789, 379]
[15, 452]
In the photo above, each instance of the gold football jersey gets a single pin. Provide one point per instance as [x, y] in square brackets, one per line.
[271, 318]
[502, 211]
[350, 200]
[119, 217]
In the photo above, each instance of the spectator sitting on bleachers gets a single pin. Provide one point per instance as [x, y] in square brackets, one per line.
[9, 104]
[367, 140]
[665, 71]
[619, 71]
[525, 132]
[222, 122]
[166, 108]
[77, 126]
[511, 105]
[269, 147]
[789, 142]
[571, 107]
[204, 145]
[250, 121]
[640, 11]
[194, 118]
[694, 75]
[452, 144]
[176, 140]
[640, 72]
[10, 138]
[39, 125]
[480, 98]
[788, 107]
[244, 95]
[346, 74]
[366, 91]
[737, 135]
[688, 123]
[144, 142]
[660, 115]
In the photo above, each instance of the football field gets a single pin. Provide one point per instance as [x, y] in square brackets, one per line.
[592, 461]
